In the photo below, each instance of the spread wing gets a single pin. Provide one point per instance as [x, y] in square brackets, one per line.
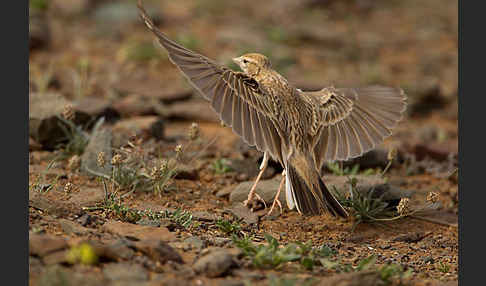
[348, 122]
[236, 97]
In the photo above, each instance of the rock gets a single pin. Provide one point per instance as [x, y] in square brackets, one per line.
[437, 151]
[250, 168]
[231, 282]
[87, 197]
[187, 172]
[70, 227]
[195, 242]
[116, 250]
[44, 124]
[244, 213]
[196, 109]
[377, 157]
[35, 265]
[267, 189]
[430, 100]
[158, 250]
[219, 241]
[214, 264]
[97, 107]
[136, 105]
[226, 191]
[57, 257]
[43, 244]
[134, 125]
[100, 142]
[125, 272]
[157, 129]
[39, 32]
[362, 278]
[204, 216]
[138, 232]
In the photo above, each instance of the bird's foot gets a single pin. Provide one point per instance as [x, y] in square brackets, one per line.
[275, 202]
[255, 202]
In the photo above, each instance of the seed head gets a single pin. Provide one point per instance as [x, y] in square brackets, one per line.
[178, 150]
[163, 167]
[68, 112]
[403, 207]
[156, 173]
[432, 197]
[116, 160]
[68, 187]
[74, 162]
[101, 159]
[194, 131]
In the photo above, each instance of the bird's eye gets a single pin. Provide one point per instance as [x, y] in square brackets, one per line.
[245, 61]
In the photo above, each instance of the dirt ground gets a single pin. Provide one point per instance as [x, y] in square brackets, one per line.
[99, 57]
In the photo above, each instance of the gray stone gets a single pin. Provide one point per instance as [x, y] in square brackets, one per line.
[196, 109]
[100, 142]
[70, 227]
[244, 213]
[138, 232]
[119, 249]
[267, 189]
[43, 244]
[158, 250]
[125, 272]
[44, 124]
[214, 264]
[195, 242]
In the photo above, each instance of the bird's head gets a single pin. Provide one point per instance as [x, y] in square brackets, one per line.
[252, 63]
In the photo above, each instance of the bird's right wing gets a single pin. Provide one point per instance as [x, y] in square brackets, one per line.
[348, 122]
[236, 97]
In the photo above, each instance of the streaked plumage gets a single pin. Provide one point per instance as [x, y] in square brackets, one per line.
[301, 130]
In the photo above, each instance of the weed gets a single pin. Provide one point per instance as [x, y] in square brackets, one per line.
[369, 209]
[41, 183]
[220, 166]
[77, 139]
[291, 281]
[337, 169]
[228, 227]
[443, 267]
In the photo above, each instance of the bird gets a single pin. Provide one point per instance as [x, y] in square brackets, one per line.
[302, 130]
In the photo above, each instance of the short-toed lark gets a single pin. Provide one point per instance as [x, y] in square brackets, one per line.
[301, 130]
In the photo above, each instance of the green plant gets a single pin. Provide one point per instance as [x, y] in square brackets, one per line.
[220, 166]
[41, 183]
[443, 267]
[337, 169]
[77, 138]
[227, 227]
[40, 5]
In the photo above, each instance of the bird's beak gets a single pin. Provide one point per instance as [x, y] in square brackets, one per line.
[237, 60]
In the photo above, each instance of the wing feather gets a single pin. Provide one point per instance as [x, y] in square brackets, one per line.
[238, 99]
[352, 121]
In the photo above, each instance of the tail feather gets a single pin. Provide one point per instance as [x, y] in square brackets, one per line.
[307, 191]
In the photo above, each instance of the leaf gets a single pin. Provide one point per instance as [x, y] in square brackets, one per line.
[366, 263]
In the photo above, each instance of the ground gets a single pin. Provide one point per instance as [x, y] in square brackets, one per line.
[100, 59]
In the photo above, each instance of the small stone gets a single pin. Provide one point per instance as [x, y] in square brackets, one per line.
[226, 191]
[244, 213]
[119, 249]
[214, 264]
[158, 250]
[43, 244]
[195, 242]
[187, 172]
[267, 189]
[125, 272]
[55, 257]
[138, 232]
[70, 227]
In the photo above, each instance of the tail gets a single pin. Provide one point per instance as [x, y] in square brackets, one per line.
[306, 191]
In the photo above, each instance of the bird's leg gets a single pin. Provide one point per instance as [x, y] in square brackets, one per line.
[252, 193]
[276, 201]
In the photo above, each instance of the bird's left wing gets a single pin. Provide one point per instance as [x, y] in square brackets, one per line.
[236, 97]
[347, 122]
